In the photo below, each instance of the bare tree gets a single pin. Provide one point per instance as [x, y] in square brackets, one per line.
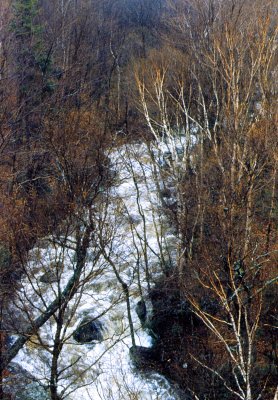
[218, 102]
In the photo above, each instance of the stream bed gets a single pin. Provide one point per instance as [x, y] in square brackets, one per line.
[101, 368]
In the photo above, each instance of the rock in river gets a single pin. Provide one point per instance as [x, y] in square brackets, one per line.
[88, 331]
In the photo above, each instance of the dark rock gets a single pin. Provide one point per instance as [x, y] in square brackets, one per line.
[166, 192]
[141, 311]
[144, 357]
[88, 331]
[171, 314]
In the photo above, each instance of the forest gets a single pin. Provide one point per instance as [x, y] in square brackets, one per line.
[138, 201]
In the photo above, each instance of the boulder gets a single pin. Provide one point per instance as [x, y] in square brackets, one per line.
[88, 331]
[144, 357]
[141, 311]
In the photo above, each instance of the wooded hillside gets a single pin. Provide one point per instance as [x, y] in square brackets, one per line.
[138, 142]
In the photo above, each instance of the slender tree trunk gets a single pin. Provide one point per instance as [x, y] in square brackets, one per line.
[55, 357]
[126, 293]
[272, 205]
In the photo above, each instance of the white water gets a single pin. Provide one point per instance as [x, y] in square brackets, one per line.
[103, 371]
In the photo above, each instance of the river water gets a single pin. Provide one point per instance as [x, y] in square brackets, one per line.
[137, 237]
